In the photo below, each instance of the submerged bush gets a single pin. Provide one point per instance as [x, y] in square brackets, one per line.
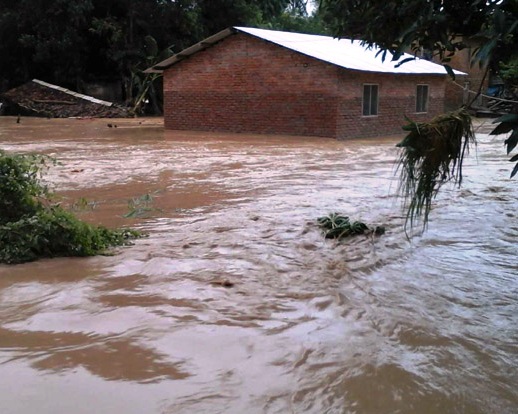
[20, 189]
[31, 227]
[337, 226]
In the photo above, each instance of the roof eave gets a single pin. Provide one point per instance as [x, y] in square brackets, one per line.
[210, 41]
[191, 50]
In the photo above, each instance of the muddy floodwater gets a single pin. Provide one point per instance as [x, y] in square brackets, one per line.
[235, 303]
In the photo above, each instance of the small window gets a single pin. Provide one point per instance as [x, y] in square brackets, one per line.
[421, 101]
[370, 100]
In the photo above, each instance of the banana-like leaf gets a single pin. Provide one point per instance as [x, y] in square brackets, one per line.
[506, 118]
[512, 141]
[503, 128]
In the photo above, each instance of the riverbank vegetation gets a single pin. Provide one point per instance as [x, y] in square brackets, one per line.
[32, 226]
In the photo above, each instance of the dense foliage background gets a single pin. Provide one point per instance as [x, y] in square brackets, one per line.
[73, 42]
[70, 42]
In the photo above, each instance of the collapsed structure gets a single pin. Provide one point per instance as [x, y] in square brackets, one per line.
[40, 98]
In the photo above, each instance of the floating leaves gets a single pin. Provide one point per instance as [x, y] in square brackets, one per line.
[337, 226]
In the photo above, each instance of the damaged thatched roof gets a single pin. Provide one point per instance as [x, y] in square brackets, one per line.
[44, 99]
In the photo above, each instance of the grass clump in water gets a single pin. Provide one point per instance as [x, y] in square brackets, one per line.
[31, 227]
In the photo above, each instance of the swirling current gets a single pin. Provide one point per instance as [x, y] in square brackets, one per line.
[235, 303]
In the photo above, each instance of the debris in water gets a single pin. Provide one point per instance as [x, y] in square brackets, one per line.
[222, 282]
[38, 98]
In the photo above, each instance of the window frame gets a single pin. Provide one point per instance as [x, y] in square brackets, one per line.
[370, 108]
[421, 106]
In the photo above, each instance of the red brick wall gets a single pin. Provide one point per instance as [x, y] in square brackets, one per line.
[245, 84]
[456, 96]
[397, 98]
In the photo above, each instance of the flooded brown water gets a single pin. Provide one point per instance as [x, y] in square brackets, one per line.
[309, 326]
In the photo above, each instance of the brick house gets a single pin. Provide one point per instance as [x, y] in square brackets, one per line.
[271, 82]
[475, 78]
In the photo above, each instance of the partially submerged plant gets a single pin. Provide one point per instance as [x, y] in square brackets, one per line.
[431, 155]
[82, 204]
[21, 192]
[337, 226]
[140, 206]
[32, 227]
[55, 232]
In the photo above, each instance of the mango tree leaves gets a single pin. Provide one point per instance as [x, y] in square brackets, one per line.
[508, 123]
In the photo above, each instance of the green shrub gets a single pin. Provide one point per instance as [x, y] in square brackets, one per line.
[20, 187]
[31, 227]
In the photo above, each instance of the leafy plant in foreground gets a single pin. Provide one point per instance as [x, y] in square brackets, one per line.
[431, 155]
[441, 29]
[20, 189]
[31, 227]
[508, 123]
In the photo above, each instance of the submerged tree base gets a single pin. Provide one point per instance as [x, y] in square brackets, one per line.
[31, 227]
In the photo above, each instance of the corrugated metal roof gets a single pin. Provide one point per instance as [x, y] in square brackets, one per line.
[340, 52]
[345, 53]
[76, 94]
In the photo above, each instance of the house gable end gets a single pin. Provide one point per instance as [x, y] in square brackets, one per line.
[246, 84]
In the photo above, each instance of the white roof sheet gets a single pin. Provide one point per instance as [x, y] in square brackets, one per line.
[76, 94]
[345, 53]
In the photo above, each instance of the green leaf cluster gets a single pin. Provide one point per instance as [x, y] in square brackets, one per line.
[337, 226]
[509, 74]
[20, 187]
[438, 26]
[31, 227]
[508, 123]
